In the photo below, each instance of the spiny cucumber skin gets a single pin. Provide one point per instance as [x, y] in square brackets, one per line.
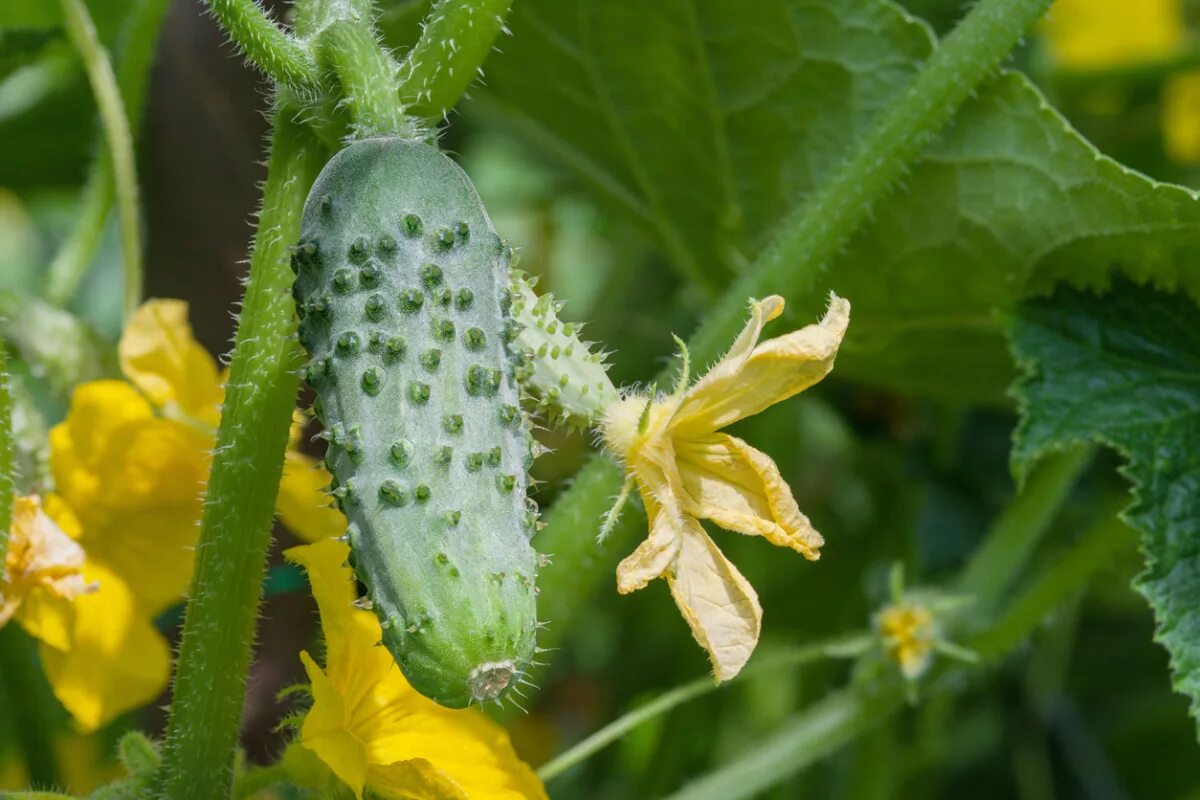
[566, 381]
[402, 290]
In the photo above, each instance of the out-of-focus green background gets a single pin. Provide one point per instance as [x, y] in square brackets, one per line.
[1084, 710]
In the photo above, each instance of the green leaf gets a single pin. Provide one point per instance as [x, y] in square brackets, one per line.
[1124, 369]
[707, 123]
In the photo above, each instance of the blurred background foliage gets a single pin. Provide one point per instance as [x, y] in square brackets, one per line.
[1084, 709]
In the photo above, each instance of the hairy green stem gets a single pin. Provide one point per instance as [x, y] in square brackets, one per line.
[998, 561]
[457, 37]
[135, 56]
[276, 53]
[838, 648]
[366, 75]
[8, 478]
[119, 140]
[235, 531]
[806, 241]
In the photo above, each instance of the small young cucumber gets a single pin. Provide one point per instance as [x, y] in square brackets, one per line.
[403, 297]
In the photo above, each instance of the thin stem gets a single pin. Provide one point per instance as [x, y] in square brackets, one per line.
[998, 561]
[120, 142]
[8, 478]
[266, 44]
[235, 530]
[811, 735]
[457, 37]
[806, 241]
[689, 691]
[1095, 549]
[367, 77]
[135, 55]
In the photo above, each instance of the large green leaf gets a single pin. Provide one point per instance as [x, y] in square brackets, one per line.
[1124, 369]
[707, 122]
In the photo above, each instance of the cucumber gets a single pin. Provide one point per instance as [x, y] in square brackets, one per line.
[402, 289]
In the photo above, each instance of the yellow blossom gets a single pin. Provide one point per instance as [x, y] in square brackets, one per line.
[1098, 34]
[1091, 34]
[686, 470]
[908, 635]
[130, 462]
[43, 565]
[371, 729]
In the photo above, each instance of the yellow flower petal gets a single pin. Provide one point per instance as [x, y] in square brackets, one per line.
[754, 376]
[303, 504]
[325, 730]
[418, 779]
[42, 573]
[718, 603]
[136, 486]
[1181, 117]
[116, 660]
[1090, 34]
[81, 442]
[361, 699]
[740, 489]
[657, 553]
[161, 357]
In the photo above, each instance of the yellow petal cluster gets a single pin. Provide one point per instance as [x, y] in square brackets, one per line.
[909, 635]
[43, 564]
[371, 729]
[1098, 34]
[130, 462]
[686, 470]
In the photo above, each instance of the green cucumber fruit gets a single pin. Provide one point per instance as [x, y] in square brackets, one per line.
[402, 290]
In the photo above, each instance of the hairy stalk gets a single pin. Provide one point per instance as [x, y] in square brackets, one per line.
[806, 241]
[366, 75]
[266, 44]
[71, 262]
[457, 37]
[837, 648]
[808, 238]
[120, 142]
[235, 531]
[8, 478]
[998, 561]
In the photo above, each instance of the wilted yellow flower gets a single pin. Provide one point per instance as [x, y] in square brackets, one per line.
[371, 729]
[686, 470]
[908, 635]
[43, 565]
[130, 463]
[1097, 34]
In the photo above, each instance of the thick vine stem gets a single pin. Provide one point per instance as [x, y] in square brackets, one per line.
[807, 240]
[457, 37]
[120, 142]
[366, 75]
[266, 44]
[235, 531]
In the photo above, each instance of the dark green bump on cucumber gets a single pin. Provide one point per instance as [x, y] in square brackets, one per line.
[403, 288]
